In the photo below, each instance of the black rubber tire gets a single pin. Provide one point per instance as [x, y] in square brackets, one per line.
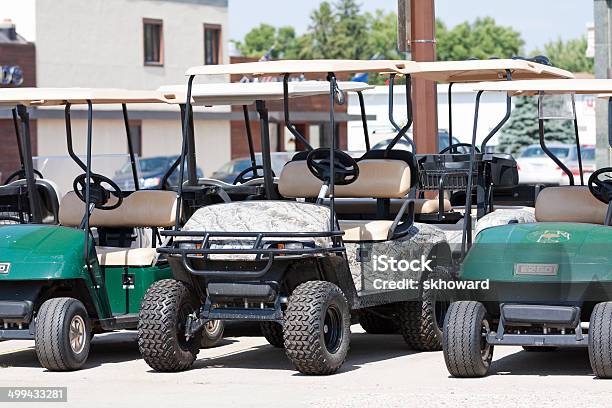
[160, 341]
[273, 332]
[540, 349]
[464, 350]
[310, 305]
[52, 337]
[600, 340]
[375, 324]
[211, 336]
[419, 323]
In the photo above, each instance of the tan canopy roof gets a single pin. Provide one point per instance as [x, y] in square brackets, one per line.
[305, 67]
[486, 70]
[551, 86]
[248, 93]
[61, 96]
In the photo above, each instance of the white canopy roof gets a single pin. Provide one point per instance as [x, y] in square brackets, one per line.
[61, 96]
[551, 86]
[486, 70]
[320, 66]
[248, 93]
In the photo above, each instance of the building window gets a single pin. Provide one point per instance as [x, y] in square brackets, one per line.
[153, 42]
[212, 44]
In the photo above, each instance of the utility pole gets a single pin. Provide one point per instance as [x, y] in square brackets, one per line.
[416, 33]
[603, 68]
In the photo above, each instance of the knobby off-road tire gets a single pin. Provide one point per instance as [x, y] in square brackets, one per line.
[375, 324]
[161, 325]
[466, 351]
[273, 332]
[421, 321]
[600, 340]
[63, 334]
[212, 333]
[317, 328]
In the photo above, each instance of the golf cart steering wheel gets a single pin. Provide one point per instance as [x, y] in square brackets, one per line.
[20, 174]
[454, 145]
[601, 189]
[241, 179]
[98, 194]
[346, 168]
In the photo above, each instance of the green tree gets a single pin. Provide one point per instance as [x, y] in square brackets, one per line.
[481, 39]
[381, 41]
[281, 41]
[319, 38]
[523, 127]
[570, 55]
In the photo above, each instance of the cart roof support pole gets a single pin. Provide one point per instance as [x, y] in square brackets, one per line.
[364, 120]
[266, 161]
[18, 135]
[186, 121]
[249, 133]
[33, 198]
[288, 123]
[466, 236]
[128, 133]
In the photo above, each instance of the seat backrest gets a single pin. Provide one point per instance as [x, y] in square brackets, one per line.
[569, 204]
[378, 178]
[143, 208]
[47, 194]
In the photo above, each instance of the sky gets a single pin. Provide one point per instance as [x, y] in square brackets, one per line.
[539, 21]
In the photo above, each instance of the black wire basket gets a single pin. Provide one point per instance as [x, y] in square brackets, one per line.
[444, 172]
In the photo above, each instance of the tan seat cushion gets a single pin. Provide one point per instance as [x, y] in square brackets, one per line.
[111, 256]
[357, 230]
[569, 204]
[378, 178]
[430, 206]
[144, 208]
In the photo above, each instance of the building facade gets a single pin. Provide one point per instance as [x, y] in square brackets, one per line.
[132, 44]
[17, 68]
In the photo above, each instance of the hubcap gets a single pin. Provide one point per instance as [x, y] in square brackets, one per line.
[333, 329]
[77, 335]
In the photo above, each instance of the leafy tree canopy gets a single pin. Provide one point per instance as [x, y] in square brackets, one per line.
[570, 55]
[481, 39]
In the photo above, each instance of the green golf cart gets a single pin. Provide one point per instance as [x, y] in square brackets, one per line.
[549, 282]
[61, 284]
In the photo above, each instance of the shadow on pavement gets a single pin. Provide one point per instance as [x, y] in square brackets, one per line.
[364, 349]
[571, 361]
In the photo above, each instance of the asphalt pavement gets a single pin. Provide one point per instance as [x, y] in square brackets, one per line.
[245, 371]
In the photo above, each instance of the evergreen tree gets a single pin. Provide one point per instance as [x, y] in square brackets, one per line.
[523, 127]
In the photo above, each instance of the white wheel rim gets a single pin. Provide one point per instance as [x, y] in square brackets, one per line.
[77, 334]
[212, 326]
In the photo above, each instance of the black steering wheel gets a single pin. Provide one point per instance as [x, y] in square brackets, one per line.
[601, 189]
[98, 194]
[346, 168]
[241, 179]
[20, 174]
[454, 145]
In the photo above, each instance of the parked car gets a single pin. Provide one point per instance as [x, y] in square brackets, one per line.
[231, 169]
[404, 145]
[534, 166]
[150, 173]
[588, 164]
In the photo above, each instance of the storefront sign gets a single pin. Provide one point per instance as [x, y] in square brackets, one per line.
[11, 75]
